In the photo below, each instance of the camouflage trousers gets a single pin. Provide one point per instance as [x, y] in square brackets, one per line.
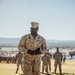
[31, 64]
[43, 67]
[58, 63]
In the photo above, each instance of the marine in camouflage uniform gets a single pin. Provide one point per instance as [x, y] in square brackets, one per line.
[18, 60]
[49, 59]
[58, 58]
[33, 45]
[45, 63]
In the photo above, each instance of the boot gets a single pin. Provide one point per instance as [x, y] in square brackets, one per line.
[60, 73]
[16, 70]
[54, 72]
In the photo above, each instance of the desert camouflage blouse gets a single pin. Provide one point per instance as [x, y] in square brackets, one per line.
[58, 56]
[28, 42]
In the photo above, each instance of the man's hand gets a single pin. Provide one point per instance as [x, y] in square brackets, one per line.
[37, 51]
[30, 52]
[34, 52]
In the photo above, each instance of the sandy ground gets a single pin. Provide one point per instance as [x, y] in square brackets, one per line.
[67, 69]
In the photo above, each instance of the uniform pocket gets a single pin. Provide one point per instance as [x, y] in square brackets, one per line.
[27, 65]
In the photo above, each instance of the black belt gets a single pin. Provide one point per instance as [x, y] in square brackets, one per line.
[34, 52]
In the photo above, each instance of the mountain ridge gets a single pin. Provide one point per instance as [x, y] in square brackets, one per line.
[50, 43]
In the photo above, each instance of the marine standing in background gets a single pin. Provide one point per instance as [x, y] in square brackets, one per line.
[45, 63]
[58, 59]
[49, 59]
[33, 45]
[18, 60]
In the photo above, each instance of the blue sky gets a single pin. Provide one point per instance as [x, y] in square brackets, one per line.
[56, 18]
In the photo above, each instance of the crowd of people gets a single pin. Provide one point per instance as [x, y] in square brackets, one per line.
[8, 59]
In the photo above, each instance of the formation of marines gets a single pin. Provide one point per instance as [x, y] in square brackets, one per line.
[32, 45]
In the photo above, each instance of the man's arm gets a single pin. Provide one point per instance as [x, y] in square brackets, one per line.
[16, 56]
[61, 56]
[42, 58]
[43, 46]
[21, 46]
[50, 55]
[54, 56]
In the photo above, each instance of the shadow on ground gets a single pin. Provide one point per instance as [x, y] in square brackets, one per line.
[53, 74]
[60, 74]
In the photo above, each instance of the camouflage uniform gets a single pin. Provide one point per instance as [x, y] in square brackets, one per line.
[58, 57]
[49, 60]
[31, 62]
[18, 60]
[45, 63]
